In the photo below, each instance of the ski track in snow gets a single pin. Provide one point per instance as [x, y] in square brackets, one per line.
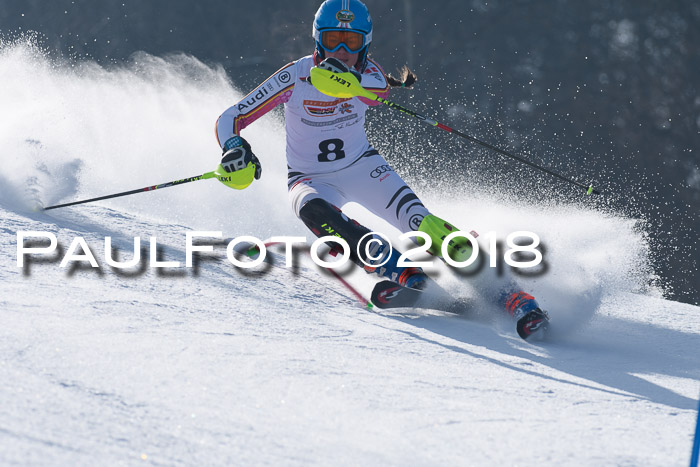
[213, 366]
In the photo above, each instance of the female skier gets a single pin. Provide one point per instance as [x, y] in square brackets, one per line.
[330, 161]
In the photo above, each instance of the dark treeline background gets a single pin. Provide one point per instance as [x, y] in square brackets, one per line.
[601, 91]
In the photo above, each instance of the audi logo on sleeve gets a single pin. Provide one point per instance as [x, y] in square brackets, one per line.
[376, 173]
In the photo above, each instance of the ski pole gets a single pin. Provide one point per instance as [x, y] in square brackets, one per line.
[139, 190]
[345, 85]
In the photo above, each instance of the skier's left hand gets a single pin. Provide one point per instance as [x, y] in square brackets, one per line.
[237, 154]
[337, 66]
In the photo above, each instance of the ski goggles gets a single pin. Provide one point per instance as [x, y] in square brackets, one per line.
[352, 41]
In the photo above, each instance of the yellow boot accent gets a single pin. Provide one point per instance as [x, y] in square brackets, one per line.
[459, 248]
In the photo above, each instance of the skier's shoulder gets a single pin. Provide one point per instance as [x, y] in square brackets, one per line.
[373, 67]
[303, 65]
[285, 76]
[374, 78]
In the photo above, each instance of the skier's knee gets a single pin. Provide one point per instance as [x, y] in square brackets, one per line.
[315, 212]
[324, 219]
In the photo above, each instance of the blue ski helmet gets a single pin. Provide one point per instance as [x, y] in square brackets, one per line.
[348, 25]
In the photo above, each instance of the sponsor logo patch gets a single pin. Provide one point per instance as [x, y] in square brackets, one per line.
[377, 172]
[338, 122]
[253, 100]
[323, 108]
[285, 77]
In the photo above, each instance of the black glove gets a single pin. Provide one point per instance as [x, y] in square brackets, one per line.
[237, 154]
[337, 66]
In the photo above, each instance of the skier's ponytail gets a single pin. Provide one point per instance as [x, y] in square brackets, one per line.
[406, 80]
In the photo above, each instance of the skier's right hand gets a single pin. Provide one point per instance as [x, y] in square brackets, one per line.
[237, 155]
[337, 66]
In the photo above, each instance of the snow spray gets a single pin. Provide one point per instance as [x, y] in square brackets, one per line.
[73, 129]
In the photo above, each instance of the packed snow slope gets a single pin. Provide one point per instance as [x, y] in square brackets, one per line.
[213, 365]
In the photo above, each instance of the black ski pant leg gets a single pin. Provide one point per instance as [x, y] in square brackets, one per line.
[324, 219]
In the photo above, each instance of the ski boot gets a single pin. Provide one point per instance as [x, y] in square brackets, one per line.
[459, 248]
[410, 277]
[530, 319]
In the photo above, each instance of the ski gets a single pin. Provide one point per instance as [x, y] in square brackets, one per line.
[534, 325]
[390, 295]
[387, 294]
